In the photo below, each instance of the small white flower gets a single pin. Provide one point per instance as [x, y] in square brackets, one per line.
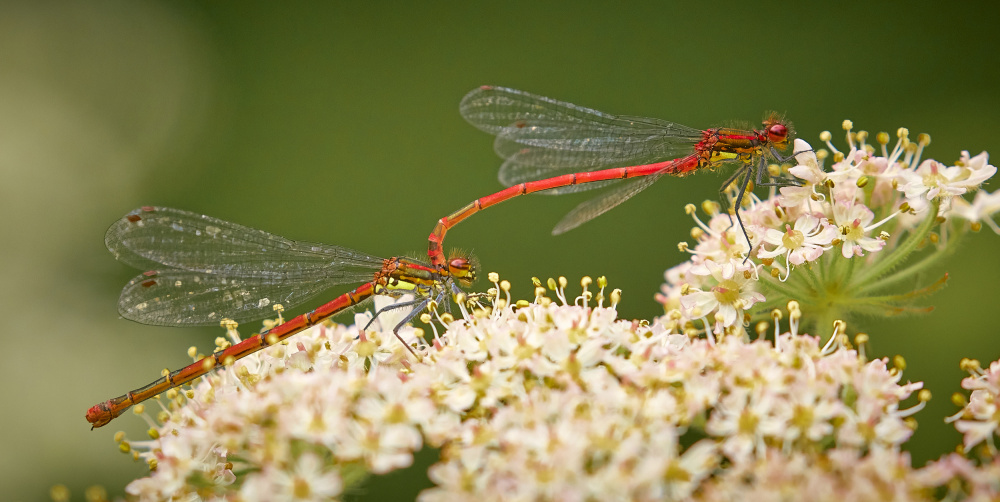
[853, 224]
[982, 208]
[805, 241]
[732, 293]
[308, 480]
[931, 179]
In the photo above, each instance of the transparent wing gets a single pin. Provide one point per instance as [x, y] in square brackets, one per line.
[547, 133]
[595, 207]
[185, 298]
[158, 237]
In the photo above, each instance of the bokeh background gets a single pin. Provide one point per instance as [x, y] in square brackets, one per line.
[338, 123]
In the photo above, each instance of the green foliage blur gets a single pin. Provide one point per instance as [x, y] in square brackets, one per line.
[338, 122]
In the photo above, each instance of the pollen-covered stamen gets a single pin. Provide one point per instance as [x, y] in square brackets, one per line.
[693, 211]
[847, 125]
[825, 137]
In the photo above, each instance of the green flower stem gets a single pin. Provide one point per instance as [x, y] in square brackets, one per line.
[902, 252]
[918, 267]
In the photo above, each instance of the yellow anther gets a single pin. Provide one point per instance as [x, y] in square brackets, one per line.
[904, 207]
[882, 138]
[563, 282]
[208, 363]
[536, 281]
[777, 315]
[862, 181]
[822, 154]
[682, 246]
[461, 298]
[899, 362]
[976, 226]
[124, 447]
[119, 436]
[271, 339]
[924, 395]
[862, 136]
[432, 305]
[166, 371]
[220, 341]
[172, 394]
[602, 282]
[924, 139]
[792, 305]
[495, 277]
[838, 156]
[847, 125]
[539, 291]
[762, 327]
[551, 283]
[616, 297]
[418, 332]
[505, 285]
[861, 339]
[690, 208]
[696, 233]
[825, 136]
[228, 361]
[192, 351]
[447, 318]
[95, 493]
[775, 273]
[59, 493]
[958, 399]
[710, 207]
[685, 288]
[586, 281]
[773, 170]
[278, 307]
[425, 318]
[902, 132]
[153, 434]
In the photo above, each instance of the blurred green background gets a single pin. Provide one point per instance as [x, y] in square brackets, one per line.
[338, 123]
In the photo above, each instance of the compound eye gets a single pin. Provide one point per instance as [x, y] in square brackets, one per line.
[777, 133]
[462, 268]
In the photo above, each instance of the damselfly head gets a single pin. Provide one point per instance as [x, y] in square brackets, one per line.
[778, 130]
[463, 269]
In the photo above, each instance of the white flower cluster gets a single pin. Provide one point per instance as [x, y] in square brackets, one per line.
[548, 401]
[849, 229]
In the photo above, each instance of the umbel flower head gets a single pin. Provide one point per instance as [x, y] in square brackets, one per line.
[842, 244]
[560, 400]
